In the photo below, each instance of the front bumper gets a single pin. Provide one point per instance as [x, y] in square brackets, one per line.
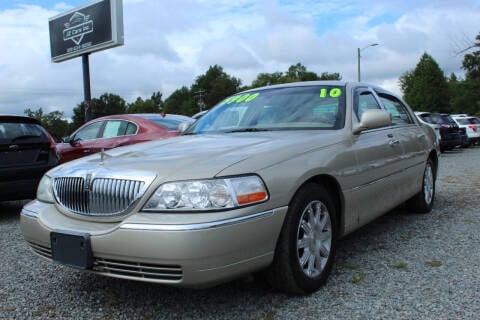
[195, 254]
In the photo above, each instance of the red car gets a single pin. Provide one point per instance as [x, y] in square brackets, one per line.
[118, 130]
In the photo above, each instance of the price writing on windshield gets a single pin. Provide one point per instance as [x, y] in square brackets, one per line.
[332, 93]
[247, 97]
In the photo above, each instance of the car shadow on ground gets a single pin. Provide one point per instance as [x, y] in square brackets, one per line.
[11, 209]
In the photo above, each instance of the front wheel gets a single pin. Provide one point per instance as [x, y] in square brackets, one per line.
[306, 246]
[422, 202]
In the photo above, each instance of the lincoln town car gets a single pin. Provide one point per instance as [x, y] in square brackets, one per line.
[266, 182]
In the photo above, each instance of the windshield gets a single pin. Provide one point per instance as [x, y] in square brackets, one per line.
[286, 108]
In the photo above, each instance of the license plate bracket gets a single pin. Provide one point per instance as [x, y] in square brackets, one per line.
[72, 249]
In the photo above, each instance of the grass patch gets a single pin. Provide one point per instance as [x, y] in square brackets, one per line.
[351, 266]
[357, 278]
[434, 263]
[405, 237]
[400, 265]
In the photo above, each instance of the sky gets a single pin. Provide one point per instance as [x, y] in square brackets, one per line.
[170, 43]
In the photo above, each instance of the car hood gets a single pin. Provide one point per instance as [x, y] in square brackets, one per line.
[207, 155]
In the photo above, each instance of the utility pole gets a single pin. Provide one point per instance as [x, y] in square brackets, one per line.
[199, 96]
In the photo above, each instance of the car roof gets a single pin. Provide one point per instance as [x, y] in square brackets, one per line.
[18, 119]
[147, 116]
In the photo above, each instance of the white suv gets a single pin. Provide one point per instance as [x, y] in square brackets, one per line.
[471, 125]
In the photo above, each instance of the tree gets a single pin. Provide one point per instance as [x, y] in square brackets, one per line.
[210, 88]
[471, 85]
[295, 73]
[181, 101]
[53, 122]
[330, 76]
[152, 105]
[107, 104]
[471, 61]
[425, 88]
[216, 85]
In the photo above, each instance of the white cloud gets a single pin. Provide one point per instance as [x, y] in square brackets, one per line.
[167, 47]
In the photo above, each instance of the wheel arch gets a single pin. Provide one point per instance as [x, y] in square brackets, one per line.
[334, 190]
[434, 158]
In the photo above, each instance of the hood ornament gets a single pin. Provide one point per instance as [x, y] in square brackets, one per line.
[103, 155]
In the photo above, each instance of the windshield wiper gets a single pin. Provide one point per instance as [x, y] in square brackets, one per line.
[247, 130]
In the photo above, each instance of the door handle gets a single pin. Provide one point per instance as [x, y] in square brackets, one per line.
[394, 142]
[86, 151]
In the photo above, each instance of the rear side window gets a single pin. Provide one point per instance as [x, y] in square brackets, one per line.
[462, 121]
[117, 128]
[398, 111]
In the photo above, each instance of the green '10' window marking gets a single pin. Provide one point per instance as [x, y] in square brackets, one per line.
[247, 97]
[333, 93]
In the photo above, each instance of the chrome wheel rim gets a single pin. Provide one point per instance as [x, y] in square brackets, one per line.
[314, 238]
[428, 184]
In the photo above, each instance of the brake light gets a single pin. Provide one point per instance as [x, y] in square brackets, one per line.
[444, 125]
[474, 128]
[52, 142]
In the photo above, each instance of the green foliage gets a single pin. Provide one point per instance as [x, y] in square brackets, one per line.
[330, 76]
[295, 73]
[216, 85]
[209, 88]
[400, 265]
[470, 87]
[53, 122]
[181, 101]
[425, 88]
[471, 61]
[107, 104]
[152, 105]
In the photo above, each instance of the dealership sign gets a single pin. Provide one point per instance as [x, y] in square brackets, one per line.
[92, 27]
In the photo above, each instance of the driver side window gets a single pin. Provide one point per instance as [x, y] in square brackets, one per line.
[364, 100]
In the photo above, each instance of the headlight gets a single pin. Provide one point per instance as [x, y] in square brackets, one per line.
[44, 191]
[211, 194]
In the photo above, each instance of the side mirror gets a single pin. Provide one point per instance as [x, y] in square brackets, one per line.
[183, 126]
[66, 139]
[372, 119]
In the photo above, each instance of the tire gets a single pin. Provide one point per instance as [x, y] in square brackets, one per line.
[422, 202]
[304, 255]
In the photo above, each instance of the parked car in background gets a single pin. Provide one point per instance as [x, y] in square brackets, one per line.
[269, 178]
[118, 130]
[471, 125]
[450, 135]
[27, 151]
[424, 118]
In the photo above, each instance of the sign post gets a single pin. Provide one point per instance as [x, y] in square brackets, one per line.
[95, 26]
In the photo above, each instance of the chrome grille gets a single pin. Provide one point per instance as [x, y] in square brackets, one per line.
[41, 250]
[100, 197]
[139, 270]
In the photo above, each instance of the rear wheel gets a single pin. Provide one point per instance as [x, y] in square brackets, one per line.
[306, 246]
[422, 202]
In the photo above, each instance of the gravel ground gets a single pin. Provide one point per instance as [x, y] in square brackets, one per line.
[402, 266]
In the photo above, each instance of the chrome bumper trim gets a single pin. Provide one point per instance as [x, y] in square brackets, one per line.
[194, 226]
[29, 213]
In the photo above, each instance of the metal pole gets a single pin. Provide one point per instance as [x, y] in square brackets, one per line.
[358, 64]
[86, 87]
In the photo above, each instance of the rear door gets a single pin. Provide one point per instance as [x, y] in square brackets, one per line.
[414, 142]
